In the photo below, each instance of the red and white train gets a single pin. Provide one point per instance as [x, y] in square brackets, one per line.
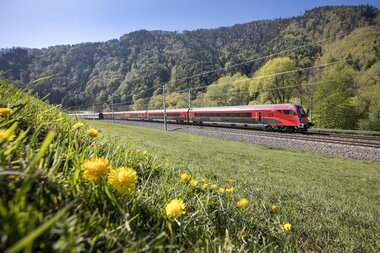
[285, 117]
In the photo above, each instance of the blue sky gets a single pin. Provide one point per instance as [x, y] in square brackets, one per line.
[43, 23]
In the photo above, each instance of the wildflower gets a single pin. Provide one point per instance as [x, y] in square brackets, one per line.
[123, 179]
[230, 190]
[92, 132]
[243, 203]
[175, 208]
[221, 190]
[214, 186]
[232, 181]
[95, 168]
[185, 177]
[194, 182]
[4, 133]
[204, 187]
[274, 208]
[258, 189]
[203, 180]
[78, 125]
[145, 153]
[4, 112]
[287, 227]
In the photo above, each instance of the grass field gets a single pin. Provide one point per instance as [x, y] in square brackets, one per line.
[332, 203]
[66, 188]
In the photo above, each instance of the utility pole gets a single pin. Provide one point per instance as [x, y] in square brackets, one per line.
[189, 98]
[164, 102]
[113, 116]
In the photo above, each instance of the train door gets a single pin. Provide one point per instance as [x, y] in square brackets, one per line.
[259, 117]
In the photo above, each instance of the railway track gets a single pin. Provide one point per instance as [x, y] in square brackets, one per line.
[365, 141]
[341, 145]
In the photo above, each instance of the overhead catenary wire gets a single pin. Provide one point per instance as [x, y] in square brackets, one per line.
[259, 77]
[259, 58]
[246, 62]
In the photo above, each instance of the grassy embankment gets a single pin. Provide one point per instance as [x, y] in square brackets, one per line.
[48, 202]
[332, 203]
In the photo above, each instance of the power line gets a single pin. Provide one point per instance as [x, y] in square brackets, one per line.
[250, 61]
[272, 75]
[263, 57]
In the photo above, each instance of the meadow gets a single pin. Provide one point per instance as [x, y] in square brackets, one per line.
[68, 185]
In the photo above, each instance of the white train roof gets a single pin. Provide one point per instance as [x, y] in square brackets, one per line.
[245, 107]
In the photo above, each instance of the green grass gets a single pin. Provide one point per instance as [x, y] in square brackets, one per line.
[331, 202]
[48, 205]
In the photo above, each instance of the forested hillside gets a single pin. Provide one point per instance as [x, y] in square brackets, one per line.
[133, 68]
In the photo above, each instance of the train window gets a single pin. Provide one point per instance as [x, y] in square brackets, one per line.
[289, 112]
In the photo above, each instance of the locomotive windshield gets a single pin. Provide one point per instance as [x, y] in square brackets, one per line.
[301, 111]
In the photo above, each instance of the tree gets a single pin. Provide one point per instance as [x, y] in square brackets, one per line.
[332, 99]
[156, 102]
[369, 97]
[173, 99]
[140, 105]
[271, 85]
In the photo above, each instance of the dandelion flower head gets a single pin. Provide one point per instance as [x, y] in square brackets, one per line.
[194, 182]
[214, 186]
[221, 190]
[175, 208]
[230, 190]
[185, 177]
[243, 203]
[274, 208]
[232, 181]
[92, 132]
[4, 133]
[4, 112]
[78, 125]
[204, 180]
[95, 168]
[287, 227]
[123, 179]
[204, 187]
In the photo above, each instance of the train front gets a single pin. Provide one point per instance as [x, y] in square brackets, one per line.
[304, 123]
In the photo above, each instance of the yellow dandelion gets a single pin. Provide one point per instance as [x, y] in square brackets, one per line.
[4, 112]
[185, 177]
[95, 168]
[78, 125]
[92, 132]
[204, 187]
[4, 133]
[145, 153]
[230, 190]
[175, 208]
[258, 189]
[287, 227]
[194, 182]
[221, 190]
[214, 186]
[232, 181]
[204, 180]
[243, 203]
[274, 208]
[123, 179]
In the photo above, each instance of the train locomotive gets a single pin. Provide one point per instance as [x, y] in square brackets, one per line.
[283, 117]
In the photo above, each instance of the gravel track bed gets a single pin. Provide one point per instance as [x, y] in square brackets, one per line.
[276, 140]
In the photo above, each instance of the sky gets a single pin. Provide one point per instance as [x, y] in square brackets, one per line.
[44, 23]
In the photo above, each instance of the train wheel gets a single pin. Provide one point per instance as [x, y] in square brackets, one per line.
[289, 129]
[267, 128]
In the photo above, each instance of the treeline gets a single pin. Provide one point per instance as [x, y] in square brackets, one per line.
[132, 69]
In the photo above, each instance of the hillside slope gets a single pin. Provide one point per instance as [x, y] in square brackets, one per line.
[135, 65]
